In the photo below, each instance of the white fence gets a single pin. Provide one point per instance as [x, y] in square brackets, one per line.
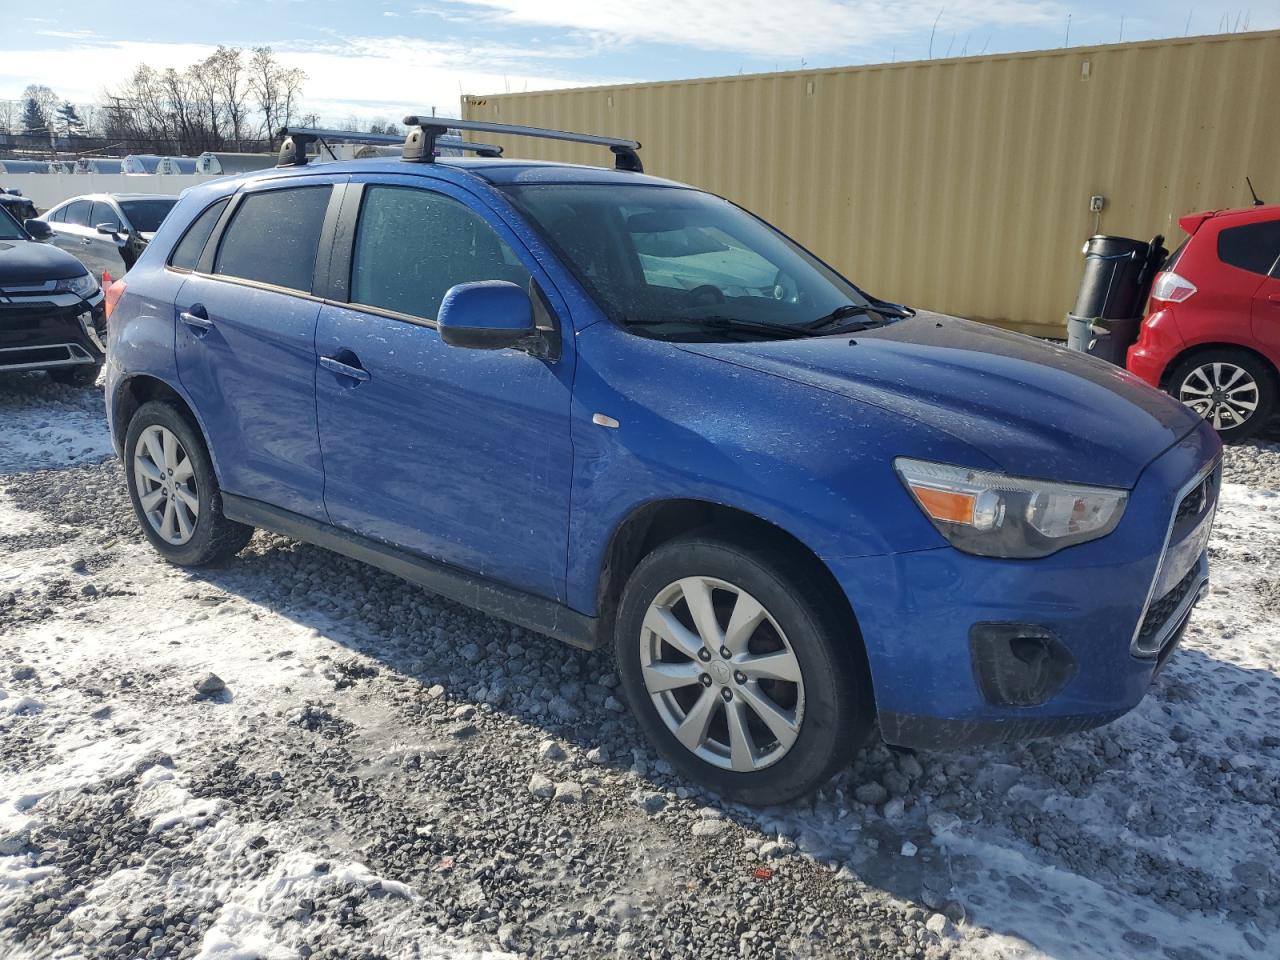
[49, 189]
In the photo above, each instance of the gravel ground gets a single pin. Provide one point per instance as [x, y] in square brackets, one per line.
[373, 771]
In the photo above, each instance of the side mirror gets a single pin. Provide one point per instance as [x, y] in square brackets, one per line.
[488, 315]
[38, 229]
[110, 229]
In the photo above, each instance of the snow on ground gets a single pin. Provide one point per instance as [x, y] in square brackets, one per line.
[49, 425]
[369, 781]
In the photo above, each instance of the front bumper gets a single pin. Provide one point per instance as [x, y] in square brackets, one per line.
[966, 650]
[41, 329]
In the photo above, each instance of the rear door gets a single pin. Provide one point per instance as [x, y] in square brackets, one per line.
[1255, 248]
[71, 230]
[246, 324]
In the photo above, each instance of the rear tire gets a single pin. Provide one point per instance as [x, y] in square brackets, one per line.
[1233, 390]
[785, 710]
[174, 490]
[81, 375]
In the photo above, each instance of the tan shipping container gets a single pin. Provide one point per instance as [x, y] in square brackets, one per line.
[959, 185]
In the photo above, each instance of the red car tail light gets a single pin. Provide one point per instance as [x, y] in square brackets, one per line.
[1172, 288]
[112, 296]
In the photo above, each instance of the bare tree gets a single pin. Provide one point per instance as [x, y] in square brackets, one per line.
[225, 69]
[276, 89]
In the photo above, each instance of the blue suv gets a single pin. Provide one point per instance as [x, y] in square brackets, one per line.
[624, 412]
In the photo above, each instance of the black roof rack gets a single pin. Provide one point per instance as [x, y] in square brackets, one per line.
[293, 151]
[420, 145]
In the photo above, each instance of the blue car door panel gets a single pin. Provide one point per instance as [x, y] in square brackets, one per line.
[246, 324]
[460, 455]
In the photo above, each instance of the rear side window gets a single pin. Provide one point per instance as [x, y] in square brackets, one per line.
[1254, 247]
[187, 253]
[413, 245]
[273, 236]
[104, 213]
[77, 213]
[57, 215]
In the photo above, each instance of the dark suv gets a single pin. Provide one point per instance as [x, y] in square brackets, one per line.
[51, 311]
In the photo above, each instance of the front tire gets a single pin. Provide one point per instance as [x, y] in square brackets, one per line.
[740, 673]
[174, 490]
[1233, 390]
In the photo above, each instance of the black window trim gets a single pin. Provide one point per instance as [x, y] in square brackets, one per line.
[319, 280]
[168, 262]
[331, 284]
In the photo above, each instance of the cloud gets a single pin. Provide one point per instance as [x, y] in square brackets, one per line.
[762, 28]
[384, 77]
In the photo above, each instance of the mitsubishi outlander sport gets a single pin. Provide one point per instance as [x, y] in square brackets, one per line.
[629, 414]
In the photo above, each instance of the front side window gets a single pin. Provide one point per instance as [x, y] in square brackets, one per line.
[412, 245]
[104, 213]
[273, 237]
[9, 229]
[673, 262]
[1254, 247]
[147, 215]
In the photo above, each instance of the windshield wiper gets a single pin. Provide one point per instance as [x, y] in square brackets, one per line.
[884, 312]
[729, 324]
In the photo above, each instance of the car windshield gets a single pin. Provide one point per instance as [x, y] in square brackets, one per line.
[145, 215]
[681, 264]
[9, 229]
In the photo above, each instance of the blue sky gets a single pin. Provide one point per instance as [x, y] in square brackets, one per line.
[379, 59]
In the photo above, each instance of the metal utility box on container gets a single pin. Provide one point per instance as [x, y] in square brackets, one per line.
[1108, 310]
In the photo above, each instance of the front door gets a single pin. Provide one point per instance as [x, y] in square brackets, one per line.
[246, 324]
[460, 455]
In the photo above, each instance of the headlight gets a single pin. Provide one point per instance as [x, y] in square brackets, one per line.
[993, 515]
[83, 286]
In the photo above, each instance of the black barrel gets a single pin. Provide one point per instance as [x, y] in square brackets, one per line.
[1108, 311]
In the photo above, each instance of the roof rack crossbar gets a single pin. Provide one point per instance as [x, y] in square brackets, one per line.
[293, 151]
[419, 145]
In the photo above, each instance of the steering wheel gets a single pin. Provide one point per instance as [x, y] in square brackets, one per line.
[706, 295]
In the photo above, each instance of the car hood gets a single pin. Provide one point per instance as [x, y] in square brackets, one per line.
[1034, 408]
[26, 261]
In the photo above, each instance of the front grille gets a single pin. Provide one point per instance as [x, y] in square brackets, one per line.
[1192, 503]
[1161, 610]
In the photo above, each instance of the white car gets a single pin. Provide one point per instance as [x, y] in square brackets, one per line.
[107, 231]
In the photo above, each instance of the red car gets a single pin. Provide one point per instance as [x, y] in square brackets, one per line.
[1211, 336]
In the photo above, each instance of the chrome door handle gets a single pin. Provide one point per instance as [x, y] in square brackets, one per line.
[198, 325]
[344, 369]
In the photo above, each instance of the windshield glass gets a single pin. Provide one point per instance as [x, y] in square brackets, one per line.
[145, 215]
[9, 229]
[673, 262]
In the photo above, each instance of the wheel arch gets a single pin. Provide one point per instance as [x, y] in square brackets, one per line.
[1206, 346]
[142, 388]
[652, 524]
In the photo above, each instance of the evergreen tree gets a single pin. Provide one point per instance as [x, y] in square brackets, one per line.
[69, 120]
[32, 118]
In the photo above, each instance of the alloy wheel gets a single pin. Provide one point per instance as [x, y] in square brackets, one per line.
[722, 674]
[1224, 394]
[165, 479]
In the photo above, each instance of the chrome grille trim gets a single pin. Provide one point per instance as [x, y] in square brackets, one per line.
[1210, 472]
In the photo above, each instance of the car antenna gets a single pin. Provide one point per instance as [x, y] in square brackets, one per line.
[1256, 202]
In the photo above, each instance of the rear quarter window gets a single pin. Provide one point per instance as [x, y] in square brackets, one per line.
[1254, 246]
[187, 253]
[273, 237]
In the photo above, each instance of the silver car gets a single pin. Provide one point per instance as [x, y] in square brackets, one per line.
[107, 231]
